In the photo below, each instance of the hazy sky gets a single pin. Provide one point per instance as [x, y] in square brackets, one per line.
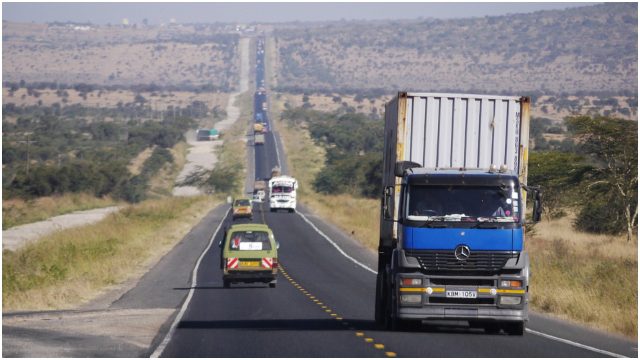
[156, 13]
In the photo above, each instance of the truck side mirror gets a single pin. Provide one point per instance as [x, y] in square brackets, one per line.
[537, 205]
[537, 201]
[386, 200]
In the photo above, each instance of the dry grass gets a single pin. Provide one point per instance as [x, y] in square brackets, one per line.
[356, 216]
[584, 277]
[18, 211]
[162, 183]
[587, 278]
[73, 266]
[135, 165]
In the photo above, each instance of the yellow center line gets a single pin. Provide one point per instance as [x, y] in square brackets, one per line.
[378, 346]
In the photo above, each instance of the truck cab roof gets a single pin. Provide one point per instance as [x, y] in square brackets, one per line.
[481, 177]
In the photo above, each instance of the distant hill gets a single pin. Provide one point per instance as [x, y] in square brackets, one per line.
[583, 50]
[180, 56]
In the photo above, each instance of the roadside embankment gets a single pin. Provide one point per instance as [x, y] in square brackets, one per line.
[70, 267]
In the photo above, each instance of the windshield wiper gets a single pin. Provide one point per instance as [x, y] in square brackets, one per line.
[431, 224]
[487, 225]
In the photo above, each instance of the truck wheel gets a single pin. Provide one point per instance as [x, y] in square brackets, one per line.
[272, 210]
[272, 284]
[291, 210]
[226, 283]
[515, 328]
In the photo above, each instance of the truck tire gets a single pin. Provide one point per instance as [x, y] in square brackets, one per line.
[226, 283]
[272, 284]
[515, 328]
[381, 305]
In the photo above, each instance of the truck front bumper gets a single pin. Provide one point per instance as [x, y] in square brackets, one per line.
[461, 313]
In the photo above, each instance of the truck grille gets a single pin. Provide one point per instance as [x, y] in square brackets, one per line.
[445, 260]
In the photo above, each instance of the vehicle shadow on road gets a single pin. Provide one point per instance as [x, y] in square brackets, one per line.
[280, 324]
[323, 325]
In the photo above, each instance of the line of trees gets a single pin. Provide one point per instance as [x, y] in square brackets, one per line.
[45, 154]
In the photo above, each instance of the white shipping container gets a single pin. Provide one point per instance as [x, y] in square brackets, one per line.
[463, 131]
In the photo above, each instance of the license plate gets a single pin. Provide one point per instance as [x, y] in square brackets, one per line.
[249, 263]
[462, 294]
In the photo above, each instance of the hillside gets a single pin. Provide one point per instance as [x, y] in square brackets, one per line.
[584, 50]
[179, 56]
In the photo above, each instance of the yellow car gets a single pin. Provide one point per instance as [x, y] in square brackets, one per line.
[249, 253]
[242, 208]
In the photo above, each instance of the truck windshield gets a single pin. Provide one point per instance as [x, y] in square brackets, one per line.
[462, 203]
[281, 189]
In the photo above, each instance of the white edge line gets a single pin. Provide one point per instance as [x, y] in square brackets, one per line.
[336, 245]
[275, 141]
[194, 279]
[576, 344]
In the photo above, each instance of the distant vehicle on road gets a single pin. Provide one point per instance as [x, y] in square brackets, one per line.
[249, 254]
[282, 193]
[259, 187]
[258, 139]
[203, 135]
[242, 208]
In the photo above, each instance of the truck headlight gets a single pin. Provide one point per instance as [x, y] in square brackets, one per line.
[510, 300]
[410, 299]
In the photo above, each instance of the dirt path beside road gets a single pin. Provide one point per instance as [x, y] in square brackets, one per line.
[18, 236]
[202, 153]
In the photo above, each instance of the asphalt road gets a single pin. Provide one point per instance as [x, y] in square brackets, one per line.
[323, 305]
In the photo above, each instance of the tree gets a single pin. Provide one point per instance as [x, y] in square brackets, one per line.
[559, 174]
[613, 144]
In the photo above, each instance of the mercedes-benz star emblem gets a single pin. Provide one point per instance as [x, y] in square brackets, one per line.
[462, 252]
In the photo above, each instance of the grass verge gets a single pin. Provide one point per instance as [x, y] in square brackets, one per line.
[18, 211]
[586, 278]
[68, 268]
